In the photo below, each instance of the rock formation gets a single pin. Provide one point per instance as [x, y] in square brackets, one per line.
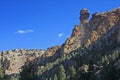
[51, 51]
[84, 16]
[101, 23]
[73, 42]
[78, 34]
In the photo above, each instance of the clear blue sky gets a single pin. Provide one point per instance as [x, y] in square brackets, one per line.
[43, 23]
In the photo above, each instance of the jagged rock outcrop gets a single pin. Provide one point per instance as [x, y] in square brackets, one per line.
[73, 42]
[78, 34]
[70, 44]
[76, 31]
[51, 51]
[101, 23]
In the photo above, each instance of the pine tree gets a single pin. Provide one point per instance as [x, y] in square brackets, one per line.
[61, 73]
[28, 73]
[2, 70]
[55, 77]
[102, 60]
[39, 71]
[72, 72]
[50, 79]
[113, 56]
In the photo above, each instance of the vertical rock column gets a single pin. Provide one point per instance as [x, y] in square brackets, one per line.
[84, 24]
[84, 17]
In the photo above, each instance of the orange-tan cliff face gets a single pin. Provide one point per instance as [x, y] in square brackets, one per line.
[78, 34]
[101, 23]
[51, 51]
[73, 42]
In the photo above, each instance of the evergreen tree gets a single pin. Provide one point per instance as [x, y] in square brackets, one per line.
[55, 77]
[50, 79]
[102, 60]
[61, 73]
[28, 73]
[72, 72]
[2, 70]
[39, 72]
[113, 56]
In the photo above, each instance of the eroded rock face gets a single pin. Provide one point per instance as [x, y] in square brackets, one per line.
[51, 51]
[70, 44]
[101, 23]
[89, 31]
[76, 31]
[108, 19]
[13, 60]
[73, 42]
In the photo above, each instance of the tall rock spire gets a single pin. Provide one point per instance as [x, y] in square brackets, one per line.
[84, 16]
[84, 25]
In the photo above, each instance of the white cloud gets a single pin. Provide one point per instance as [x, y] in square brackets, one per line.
[21, 31]
[60, 35]
[24, 31]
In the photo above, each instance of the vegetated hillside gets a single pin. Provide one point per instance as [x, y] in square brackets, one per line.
[13, 60]
[91, 53]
